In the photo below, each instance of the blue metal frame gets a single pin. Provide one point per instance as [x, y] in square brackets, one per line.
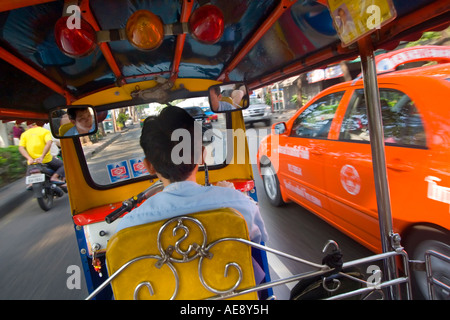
[261, 257]
[92, 278]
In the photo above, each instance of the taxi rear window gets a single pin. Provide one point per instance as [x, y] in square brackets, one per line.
[402, 123]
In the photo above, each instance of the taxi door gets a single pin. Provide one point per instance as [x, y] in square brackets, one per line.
[349, 171]
[301, 154]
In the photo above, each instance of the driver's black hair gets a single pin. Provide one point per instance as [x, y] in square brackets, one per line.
[72, 112]
[156, 141]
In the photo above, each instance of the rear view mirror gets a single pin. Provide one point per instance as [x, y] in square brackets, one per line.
[228, 97]
[279, 128]
[73, 121]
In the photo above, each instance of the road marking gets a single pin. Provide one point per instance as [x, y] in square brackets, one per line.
[280, 269]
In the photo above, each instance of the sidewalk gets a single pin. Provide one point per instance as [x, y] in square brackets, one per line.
[92, 150]
[285, 115]
[15, 193]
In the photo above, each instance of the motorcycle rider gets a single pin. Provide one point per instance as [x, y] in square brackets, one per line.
[35, 146]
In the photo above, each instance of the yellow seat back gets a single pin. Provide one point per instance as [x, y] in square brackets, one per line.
[171, 257]
[227, 99]
[64, 128]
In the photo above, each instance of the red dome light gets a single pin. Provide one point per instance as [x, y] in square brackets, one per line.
[75, 42]
[206, 24]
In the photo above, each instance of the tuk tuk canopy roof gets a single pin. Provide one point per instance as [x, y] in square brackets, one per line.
[263, 41]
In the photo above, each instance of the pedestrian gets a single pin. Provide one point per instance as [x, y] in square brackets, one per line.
[55, 149]
[17, 131]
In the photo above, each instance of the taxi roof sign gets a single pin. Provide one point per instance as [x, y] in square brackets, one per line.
[392, 60]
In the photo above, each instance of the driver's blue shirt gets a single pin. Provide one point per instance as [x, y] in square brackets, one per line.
[225, 106]
[74, 131]
[188, 197]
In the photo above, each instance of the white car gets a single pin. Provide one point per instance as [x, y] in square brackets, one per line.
[257, 112]
[129, 122]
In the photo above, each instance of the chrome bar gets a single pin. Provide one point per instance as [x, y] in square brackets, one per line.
[368, 289]
[280, 253]
[392, 282]
[378, 155]
[271, 284]
[115, 274]
[323, 269]
[430, 280]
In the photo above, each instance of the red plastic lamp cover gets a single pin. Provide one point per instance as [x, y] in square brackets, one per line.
[75, 42]
[207, 24]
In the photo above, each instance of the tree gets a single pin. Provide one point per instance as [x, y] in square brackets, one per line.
[121, 118]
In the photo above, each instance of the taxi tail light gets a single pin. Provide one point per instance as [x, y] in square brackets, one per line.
[206, 24]
[145, 30]
[75, 42]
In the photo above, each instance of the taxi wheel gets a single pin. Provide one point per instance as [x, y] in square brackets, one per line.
[272, 185]
[417, 243]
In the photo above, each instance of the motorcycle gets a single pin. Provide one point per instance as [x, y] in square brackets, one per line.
[44, 189]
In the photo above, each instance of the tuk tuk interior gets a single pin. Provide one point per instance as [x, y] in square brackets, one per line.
[251, 43]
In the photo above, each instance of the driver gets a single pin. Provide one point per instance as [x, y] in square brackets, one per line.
[217, 104]
[182, 194]
[82, 120]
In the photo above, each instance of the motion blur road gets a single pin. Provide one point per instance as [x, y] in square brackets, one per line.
[38, 249]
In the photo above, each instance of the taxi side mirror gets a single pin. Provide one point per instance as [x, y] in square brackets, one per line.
[228, 97]
[73, 121]
[279, 128]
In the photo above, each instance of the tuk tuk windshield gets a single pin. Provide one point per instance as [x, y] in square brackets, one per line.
[114, 154]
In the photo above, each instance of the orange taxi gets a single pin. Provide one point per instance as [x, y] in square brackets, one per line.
[321, 158]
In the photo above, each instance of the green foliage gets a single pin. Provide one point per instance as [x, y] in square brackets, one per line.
[426, 38]
[268, 99]
[294, 99]
[121, 118]
[12, 165]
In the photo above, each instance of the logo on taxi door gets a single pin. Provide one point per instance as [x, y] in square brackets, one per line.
[350, 179]
[437, 192]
